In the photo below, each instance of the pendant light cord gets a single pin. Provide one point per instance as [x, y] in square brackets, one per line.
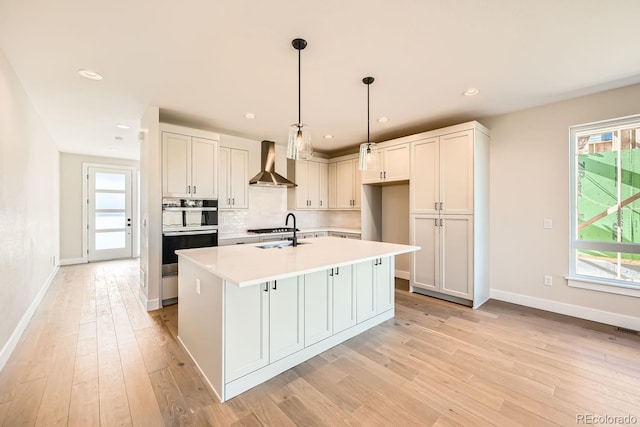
[299, 90]
[368, 133]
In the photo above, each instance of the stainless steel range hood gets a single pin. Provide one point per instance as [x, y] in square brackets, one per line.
[267, 176]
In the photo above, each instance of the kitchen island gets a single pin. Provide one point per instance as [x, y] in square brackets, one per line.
[249, 312]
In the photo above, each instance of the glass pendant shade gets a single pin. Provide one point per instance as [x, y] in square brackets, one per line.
[299, 145]
[368, 159]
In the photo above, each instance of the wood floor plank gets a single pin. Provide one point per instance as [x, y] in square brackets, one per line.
[4, 410]
[175, 411]
[84, 407]
[26, 401]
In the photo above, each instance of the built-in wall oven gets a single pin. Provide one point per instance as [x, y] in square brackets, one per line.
[186, 224]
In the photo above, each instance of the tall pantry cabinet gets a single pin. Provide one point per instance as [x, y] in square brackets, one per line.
[449, 213]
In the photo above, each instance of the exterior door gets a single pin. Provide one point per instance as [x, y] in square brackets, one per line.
[109, 213]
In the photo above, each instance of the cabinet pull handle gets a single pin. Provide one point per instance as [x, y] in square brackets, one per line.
[233, 201]
[275, 284]
[435, 221]
[189, 189]
[385, 174]
[229, 201]
[194, 189]
[380, 175]
[320, 202]
[337, 271]
[375, 262]
[266, 287]
[435, 205]
[440, 205]
[441, 222]
[380, 263]
[331, 273]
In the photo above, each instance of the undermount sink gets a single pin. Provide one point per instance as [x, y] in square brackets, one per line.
[278, 245]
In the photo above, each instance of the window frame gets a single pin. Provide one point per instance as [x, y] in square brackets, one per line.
[582, 280]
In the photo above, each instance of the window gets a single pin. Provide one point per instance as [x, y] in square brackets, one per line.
[605, 203]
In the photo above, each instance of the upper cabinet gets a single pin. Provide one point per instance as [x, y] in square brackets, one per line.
[189, 166]
[344, 183]
[443, 174]
[392, 164]
[312, 186]
[233, 175]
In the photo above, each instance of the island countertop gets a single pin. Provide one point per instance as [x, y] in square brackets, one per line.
[247, 265]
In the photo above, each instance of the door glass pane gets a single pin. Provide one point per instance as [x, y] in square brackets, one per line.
[108, 220]
[110, 200]
[110, 181]
[110, 240]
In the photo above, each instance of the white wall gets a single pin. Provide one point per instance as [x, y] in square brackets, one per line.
[150, 209]
[530, 182]
[29, 197]
[395, 223]
[71, 179]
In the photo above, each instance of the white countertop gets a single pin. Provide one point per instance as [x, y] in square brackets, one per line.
[242, 234]
[248, 265]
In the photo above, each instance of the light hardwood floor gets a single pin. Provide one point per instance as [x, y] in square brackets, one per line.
[92, 356]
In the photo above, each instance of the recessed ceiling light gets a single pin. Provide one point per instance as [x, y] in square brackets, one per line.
[328, 136]
[91, 75]
[471, 92]
[249, 116]
[123, 126]
[118, 139]
[383, 119]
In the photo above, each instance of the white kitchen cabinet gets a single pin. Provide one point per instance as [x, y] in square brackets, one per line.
[344, 298]
[238, 241]
[264, 323]
[392, 165]
[445, 263]
[343, 235]
[234, 178]
[442, 174]
[246, 330]
[374, 287]
[345, 180]
[318, 298]
[449, 209]
[286, 317]
[189, 166]
[312, 190]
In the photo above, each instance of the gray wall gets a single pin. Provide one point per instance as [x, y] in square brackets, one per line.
[530, 182]
[29, 195]
[71, 179]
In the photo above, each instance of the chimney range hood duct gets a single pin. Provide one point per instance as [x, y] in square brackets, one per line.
[267, 176]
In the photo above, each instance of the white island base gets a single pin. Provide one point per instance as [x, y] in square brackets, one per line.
[285, 306]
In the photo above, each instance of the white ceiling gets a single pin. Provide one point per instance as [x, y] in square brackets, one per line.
[205, 63]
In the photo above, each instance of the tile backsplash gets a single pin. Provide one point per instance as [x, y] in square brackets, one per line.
[268, 208]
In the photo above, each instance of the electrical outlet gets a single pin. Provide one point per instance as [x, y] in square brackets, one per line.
[198, 286]
[548, 280]
[547, 223]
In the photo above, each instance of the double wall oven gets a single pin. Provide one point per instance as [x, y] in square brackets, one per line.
[186, 224]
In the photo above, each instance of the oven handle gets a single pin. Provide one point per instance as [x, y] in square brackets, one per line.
[189, 209]
[188, 233]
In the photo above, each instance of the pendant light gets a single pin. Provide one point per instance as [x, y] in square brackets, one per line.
[368, 151]
[299, 145]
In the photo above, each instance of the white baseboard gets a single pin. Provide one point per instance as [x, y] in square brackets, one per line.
[403, 275]
[607, 317]
[10, 345]
[72, 261]
[150, 305]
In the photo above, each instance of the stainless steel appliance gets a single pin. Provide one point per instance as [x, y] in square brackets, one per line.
[267, 176]
[186, 224]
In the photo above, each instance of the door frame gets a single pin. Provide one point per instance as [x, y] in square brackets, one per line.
[135, 207]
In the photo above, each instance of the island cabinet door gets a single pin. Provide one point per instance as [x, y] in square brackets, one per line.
[286, 320]
[384, 282]
[365, 291]
[246, 330]
[344, 299]
[317, 307]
